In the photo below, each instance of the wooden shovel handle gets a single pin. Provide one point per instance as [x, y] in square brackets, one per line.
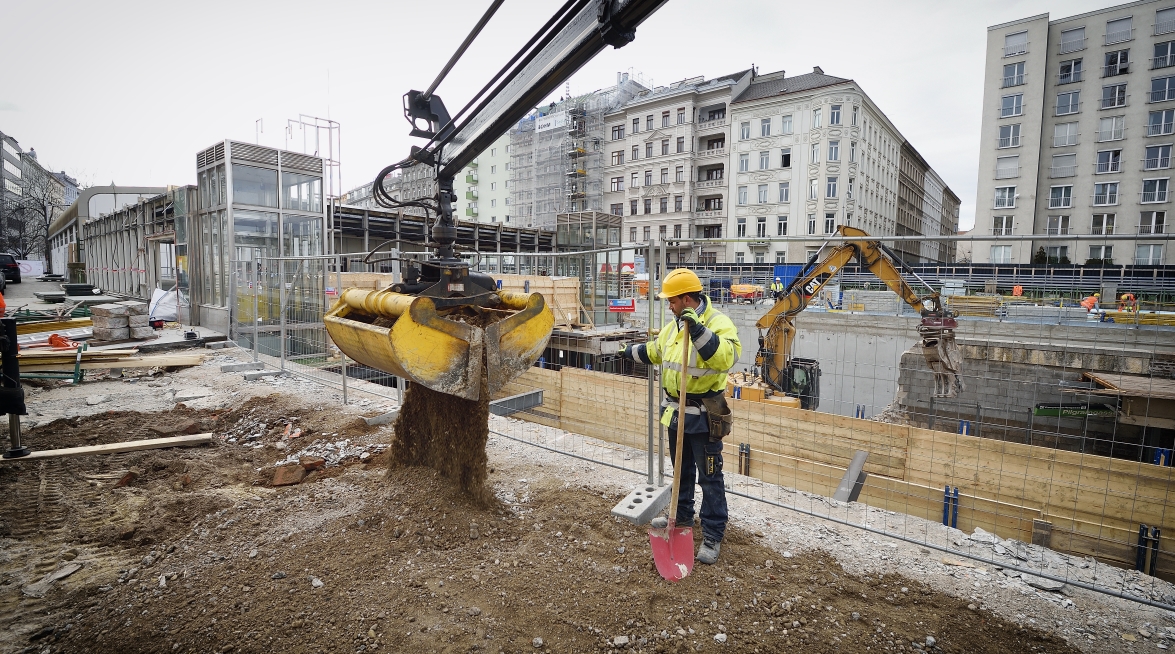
[681, 398]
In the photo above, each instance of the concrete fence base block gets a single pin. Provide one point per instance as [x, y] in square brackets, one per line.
[241, 367]
[254, 376]
[219, 345]
[643, 504]
[383, 419]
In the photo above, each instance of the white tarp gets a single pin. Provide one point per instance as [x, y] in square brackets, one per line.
[163, 305]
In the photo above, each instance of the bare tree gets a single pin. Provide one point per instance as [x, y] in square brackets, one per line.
[25, 218]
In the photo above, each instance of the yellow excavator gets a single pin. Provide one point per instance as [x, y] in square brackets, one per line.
[445, 326]
[800, 378]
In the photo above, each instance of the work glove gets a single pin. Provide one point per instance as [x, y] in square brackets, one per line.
[626, 353]
[692, 322]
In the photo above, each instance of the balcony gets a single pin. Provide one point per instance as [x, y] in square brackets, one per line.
[1013, 80]
[711, 124]
[1068, 109]
[1013, 50]
[1165, 27]
[471, 195]
[1163, 62]
[1064, 141]
[1057, 231]
[1073, 45]
[1011, 111]
[471, 212]
[1162, 96]
[1152, 197]
[1070, 78]
[1108, 167]
[1099, 230]
[1009, 142]
[758, 245]
[1113, 103]
[710, 183]
[1160, 129]
[471, 178]
[710, 152]
[710, 213]
[1007, 172]
[1156, 228]
[1120, 36]
[1114, 70]
[1001, 231]
[1111, 134]
[1057, 172]
[1061, 203]
[1105, 199]
[1157, 163]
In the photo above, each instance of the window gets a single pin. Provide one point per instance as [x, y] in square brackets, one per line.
[664, 204]
[1057, 253]
[852, 151]
[1109, 161]
[716, 144]
[679, 174]
[1164, 21]
[1154, 190]
[632, 208]
[13, 169]
[1153, 222]
[815, 118]
[1148, 255]
[813, 189]
[681, 144]
[617, 134]
[1112, 128]
[632, 235]
[834, 150]
[493, 186]
[1113, 95]
[493, 169]
[815, 154]
[636, 151]
[635, 177]
[780, 257]
[1118, 31]
[781, 225]
[1157, 156]
[716, 114]
[744, 162]
[852, 183]
[785, 158]
[13, 187]
[1164, 55]
[829, 223]
[1057, 225]
[648, 178]
[762, 194]
[1013, 74]
[618, 210]
[1010, 135]
[1007, 167]
[1162, 89]
[786, 127]
[664, 147]
[785, 191]
[742, 195]
[677, 227]
[1160, 123]
[664, 119]
[740, 257]
[1064, 134]
[714, 173]
[649, 123]
[649, 150]
[811, 223]
[636, 125]
[1005, 197]
[648, 206]
[855, 115]
[664, 175]
[1068, 102]
[741, 228]
[617, 184]
[677, 203]
[1001, 254]
[1012, 105]
[1070, 72]
[744, 131]
[830, 189]
[9, 149]
[1015, 44]
[255, 186]
[1103, 223]
[1061, 197]
[764, 160]
[1105, 194]
[761, 227]
[1002, 226]
[765, 127]
[648, 232]
[1117, 63]
[681, 116]
[1064, 165]
[617, 157]
[1101, 254]
[1073, 40]
[493, 203]
[834, 114]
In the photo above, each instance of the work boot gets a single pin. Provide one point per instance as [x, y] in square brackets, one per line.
[708, 552]
[660, 522]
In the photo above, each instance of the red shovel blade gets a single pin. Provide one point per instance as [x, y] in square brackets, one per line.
[673, 551]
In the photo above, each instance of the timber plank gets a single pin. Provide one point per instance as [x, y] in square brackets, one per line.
[112, 448]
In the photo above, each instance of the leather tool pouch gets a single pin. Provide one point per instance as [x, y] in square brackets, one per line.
[719, 416]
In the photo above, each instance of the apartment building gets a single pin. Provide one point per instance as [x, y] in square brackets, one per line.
[1078, 126]
[813, 151]
[664, 164]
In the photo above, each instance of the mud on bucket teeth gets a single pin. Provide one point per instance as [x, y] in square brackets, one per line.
[442, 349]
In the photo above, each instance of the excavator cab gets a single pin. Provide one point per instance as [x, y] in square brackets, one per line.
[802, 378]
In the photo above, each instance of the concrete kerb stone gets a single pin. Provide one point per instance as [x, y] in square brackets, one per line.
[262, 374]
[218, 345]
[382, 419]
[241, 367]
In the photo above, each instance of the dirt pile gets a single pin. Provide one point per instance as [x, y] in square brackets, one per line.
[445, 433]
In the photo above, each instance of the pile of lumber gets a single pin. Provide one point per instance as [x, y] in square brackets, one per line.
[979, 306]
[65, 360]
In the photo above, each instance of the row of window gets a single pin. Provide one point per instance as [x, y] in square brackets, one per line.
[1113, 96]
[1149, 222]
[1157, 157]
[831, 190]
[1144, 255]
[618, 155]
[1110, 128]
[1118, 30]
[1105, 194]
[618, 130]
[617, 183]
[617, 209]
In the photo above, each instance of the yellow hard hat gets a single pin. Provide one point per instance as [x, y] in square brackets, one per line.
[1097, 294]
[680, 282]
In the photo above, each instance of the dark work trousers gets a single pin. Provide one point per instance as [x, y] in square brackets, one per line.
[701, 463]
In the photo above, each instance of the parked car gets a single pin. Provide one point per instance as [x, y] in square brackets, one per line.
[10, 267]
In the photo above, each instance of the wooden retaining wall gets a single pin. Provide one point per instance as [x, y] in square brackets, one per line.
[1094, 503]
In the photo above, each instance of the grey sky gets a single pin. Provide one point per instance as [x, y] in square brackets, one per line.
[129, 91]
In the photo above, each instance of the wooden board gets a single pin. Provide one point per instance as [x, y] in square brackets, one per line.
[1135, 385]
[48, 326]
[112, 448]
[161, 361]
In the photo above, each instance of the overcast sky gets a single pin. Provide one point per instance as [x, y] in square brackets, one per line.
[128, 91]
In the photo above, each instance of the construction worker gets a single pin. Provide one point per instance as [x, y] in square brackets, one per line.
[1090, 303]
[715, 350]
[776, 287]
[1127, 302]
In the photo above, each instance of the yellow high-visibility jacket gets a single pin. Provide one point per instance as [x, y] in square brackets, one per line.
[714, 353]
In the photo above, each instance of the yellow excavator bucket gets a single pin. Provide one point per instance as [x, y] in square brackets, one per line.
[446, 350]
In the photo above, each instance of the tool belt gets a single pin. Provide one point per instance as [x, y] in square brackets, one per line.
[718, 415]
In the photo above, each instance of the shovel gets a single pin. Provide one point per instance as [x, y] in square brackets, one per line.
[673, 546]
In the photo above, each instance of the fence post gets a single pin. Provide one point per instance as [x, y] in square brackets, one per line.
[256, 317]
[946, 505]
[339, 294]
[652, 426]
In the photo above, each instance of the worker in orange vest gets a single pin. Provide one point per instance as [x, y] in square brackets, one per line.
[1127, 302]
[1090, 303]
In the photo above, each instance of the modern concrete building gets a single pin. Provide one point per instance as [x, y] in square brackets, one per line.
[1077, 131]
[813, 151]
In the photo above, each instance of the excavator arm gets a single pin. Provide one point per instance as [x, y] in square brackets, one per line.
[777, 327]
